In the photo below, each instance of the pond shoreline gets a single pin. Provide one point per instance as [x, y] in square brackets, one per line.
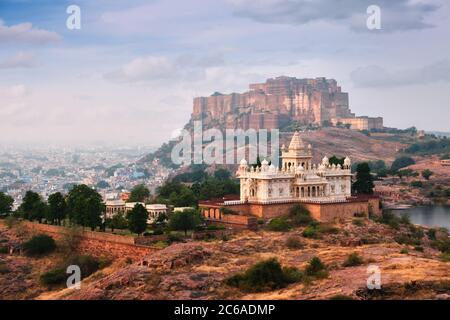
[434, 216]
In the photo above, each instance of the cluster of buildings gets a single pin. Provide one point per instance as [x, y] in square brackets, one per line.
[46, 170]
[114, 207]
[120, 206]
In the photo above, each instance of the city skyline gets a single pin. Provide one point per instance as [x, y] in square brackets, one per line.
[133, 64]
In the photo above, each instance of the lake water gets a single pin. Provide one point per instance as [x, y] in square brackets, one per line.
[432, 216]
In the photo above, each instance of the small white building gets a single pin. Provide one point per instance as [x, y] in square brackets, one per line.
[114, 207]
[181, 209]
[155, 211]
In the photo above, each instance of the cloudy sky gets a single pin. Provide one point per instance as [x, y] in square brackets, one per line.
[132, 70]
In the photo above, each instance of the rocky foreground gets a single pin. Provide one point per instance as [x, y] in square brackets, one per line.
[196, 270]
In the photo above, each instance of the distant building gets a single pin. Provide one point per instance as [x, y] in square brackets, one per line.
[125, 196]
[155, 211]
[114, 207]
[181, 209]
[361, 123]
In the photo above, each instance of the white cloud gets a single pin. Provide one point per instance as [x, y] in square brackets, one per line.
[24, 33]
[20, 60]
[144, 69]
[160, 69]
[376, 76]
[14, 92]
[396, 15]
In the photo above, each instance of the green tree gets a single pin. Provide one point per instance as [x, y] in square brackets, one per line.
[103, 185]
[407, 173]
[118, 221]
[184, 221]
[85, 206]
[401, 162]
[222, 174]
[364, 179]
[137, 219]
[335, 160]
[57, 208]
[139, 193]
[33, 207]
[427, 173]
[6, 203]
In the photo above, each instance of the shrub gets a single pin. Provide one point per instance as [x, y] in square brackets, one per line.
[299, 215]
[39, 245]
[445, 257]
[314, 230]
[417, 184]
[316, 268]
[264, 276]
[418, 248]
[4, 268]
[88, 265]
[416, 232]
[54, 276]
[431, 234]
[406, 239]
[260, 221]
[353, 259]
[358, 222]
[4, 250]
[104, 262]
[294, 243]
[161, 244]
[359, 215]
[171, 238]
[404, 219]
[310, 232]
[278, 224]
[326, 228]
[442, 245]
[390, 219]
[404, 251]
[158, 232]
[10, 222]
[213, 227]
[401, 162]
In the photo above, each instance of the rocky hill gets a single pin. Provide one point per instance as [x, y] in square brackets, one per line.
[324, 141]
[196, 270]
[345, 142]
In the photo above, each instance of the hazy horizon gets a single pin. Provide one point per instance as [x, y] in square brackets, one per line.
[130, 74]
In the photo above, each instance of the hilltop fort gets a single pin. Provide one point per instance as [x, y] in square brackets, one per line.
[279, 102]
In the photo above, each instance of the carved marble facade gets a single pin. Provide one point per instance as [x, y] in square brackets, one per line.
[298, 179]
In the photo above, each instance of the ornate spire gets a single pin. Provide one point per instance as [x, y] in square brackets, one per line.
[296, 142]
